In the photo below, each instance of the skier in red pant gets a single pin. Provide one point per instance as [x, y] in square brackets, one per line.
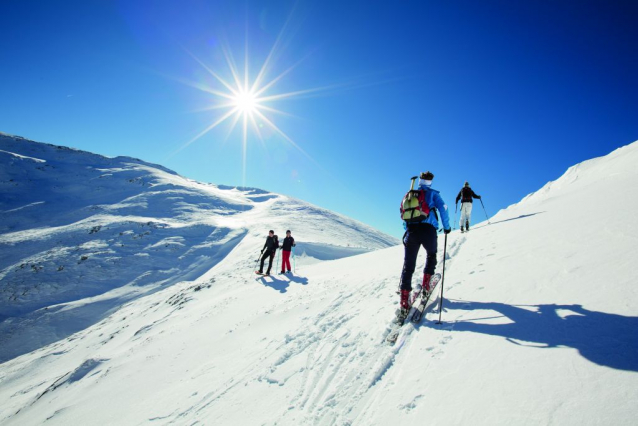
[286, 248]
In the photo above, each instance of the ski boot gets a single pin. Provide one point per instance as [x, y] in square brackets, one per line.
[402, 313]
[426, 286]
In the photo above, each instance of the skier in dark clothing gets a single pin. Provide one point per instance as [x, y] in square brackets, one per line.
[268, 252]
[466, 195]
[419, 234]
[286, 249]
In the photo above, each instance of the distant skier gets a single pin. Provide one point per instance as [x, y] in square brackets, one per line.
[421, 230]
[466, 195]
[286, 249]
[268, 252]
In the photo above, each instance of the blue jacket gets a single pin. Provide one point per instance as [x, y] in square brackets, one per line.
[434, 200]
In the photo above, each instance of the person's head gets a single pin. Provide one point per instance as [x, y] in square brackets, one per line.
[467, 183]
[426, 179]
[271, 233]
[288, 233]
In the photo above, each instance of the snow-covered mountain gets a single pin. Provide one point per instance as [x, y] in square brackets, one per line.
[539, 327]
[80, 234]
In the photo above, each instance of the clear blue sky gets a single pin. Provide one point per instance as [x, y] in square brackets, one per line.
[504, 94]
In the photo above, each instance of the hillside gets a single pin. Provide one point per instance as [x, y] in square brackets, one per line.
[539, 327]
[81, 234]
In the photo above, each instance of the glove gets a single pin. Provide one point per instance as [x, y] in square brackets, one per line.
[478, 196]
[447, 231]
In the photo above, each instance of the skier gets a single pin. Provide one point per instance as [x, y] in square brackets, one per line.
[286, 249]
[268, 252]
[466, 195]
[422, 232]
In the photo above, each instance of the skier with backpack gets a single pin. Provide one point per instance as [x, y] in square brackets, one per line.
[286, 249]
[466, 194]
[268, 252]
[419, 213]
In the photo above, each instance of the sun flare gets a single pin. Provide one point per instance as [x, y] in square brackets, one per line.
[246, 101]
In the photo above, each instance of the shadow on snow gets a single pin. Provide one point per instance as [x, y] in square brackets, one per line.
[523, 216]
[606, 339]
[281, 284]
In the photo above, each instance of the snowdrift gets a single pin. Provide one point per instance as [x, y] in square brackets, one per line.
[539, 327]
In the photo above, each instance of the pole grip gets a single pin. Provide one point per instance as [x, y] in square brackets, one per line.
[413, 178]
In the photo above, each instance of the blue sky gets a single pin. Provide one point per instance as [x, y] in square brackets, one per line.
[503, 94]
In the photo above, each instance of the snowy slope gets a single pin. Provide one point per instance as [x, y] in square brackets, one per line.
[80, 234]
[540, 323]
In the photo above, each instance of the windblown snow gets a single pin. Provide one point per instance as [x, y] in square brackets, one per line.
[152, 275]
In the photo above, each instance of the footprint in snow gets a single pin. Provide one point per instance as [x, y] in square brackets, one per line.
[411, 405]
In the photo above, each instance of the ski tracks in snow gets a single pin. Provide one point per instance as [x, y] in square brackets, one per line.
[345, 365]
[387, 379]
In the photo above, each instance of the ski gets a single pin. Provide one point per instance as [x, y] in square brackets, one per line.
[394, 328]
[418, 311]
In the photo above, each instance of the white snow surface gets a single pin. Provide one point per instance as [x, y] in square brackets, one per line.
[81, 234]
[540, 325]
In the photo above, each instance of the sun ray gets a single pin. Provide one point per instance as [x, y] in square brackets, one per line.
[214, 107]
[204, 88]
[244, 151]
[213, 73]
[208, 129]
[299, 93]
[256, 127]
[233, 124]
[275, 111]
[284, 135]
[246, 60]
[264, 68]
[241, 97]
[279, 77]
[230, 61]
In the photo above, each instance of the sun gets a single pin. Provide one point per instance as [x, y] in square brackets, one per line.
[246, 101]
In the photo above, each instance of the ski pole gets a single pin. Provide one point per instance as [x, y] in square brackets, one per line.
[294, 260]
[488, 219]
[442, 280]
[454, 223]
[277, 262]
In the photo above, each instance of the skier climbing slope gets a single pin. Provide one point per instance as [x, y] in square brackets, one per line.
[421, 230]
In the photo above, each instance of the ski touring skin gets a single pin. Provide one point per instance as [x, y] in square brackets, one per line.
[415, 314]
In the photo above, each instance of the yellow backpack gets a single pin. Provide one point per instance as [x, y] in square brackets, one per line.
[414, 207]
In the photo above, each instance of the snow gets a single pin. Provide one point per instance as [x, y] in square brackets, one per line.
[539, 320]
[81, 234]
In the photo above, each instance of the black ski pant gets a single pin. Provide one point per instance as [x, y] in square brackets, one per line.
[268, 254]
[417, 236]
